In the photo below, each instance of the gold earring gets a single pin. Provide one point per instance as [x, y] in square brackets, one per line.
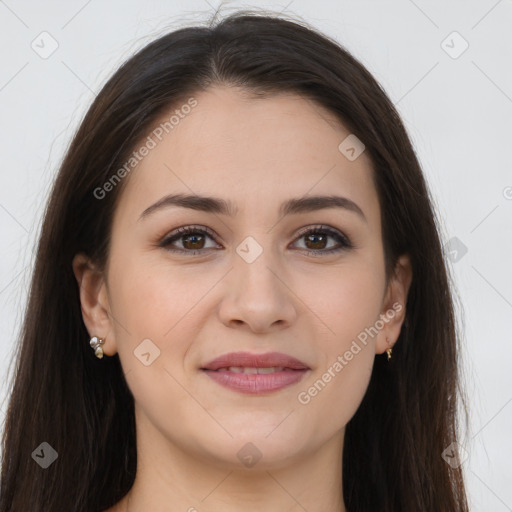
[389, 350]
[96, 345]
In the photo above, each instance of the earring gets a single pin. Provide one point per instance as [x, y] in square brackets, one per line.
[96, 345]
[388, 350]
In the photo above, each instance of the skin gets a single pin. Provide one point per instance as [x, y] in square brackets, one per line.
[256, 153]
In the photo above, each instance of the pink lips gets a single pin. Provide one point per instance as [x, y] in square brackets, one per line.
[279, 371]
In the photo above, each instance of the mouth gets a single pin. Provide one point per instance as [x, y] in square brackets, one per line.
[255, 374]
[253, 370]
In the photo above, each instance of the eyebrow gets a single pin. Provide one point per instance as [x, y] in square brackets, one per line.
[223, 207]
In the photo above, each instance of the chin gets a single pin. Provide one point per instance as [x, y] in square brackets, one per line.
[255, 449]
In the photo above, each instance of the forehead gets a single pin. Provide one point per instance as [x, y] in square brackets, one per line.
[249, 151]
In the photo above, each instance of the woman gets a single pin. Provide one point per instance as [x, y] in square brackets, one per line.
[240, 299]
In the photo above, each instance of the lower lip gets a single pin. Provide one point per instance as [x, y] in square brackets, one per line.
[255, 383]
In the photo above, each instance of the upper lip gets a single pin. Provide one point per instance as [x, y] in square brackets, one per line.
[249, 360]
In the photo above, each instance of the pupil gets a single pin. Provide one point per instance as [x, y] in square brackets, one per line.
[194, 240]
[316, 243]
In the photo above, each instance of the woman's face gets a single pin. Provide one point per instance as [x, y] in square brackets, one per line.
[259, 281]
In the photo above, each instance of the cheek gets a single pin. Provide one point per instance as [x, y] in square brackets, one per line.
[154, 309]
[346, 299]
[152, 296]
[349, 307]
[333, 395]
[360, 301]
[346, 354]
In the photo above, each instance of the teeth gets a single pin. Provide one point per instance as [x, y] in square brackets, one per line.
[240, 369]
[271, 369]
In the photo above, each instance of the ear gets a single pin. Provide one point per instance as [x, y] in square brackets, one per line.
[94, 302]
[394, 304]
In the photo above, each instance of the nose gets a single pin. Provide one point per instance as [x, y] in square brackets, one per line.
[257, 296]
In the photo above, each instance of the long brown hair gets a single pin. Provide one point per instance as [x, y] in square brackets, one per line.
[64, 396]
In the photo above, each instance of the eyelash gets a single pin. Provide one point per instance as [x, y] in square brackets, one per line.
[344, 242]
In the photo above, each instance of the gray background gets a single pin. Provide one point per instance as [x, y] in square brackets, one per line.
[457, 107]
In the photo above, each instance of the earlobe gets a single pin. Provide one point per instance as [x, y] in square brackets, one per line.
[394, 306]
[93, 300]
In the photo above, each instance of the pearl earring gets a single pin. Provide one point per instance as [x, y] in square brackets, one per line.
[96, 345]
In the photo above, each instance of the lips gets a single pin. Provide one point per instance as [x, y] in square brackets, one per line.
[255, 374]
[247, 360]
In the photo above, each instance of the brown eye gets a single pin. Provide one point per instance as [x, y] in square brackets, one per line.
[192, 240]
[196, 241]
[316, 241]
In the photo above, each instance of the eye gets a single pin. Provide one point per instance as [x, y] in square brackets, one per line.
[192, 239]
[316, 240]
